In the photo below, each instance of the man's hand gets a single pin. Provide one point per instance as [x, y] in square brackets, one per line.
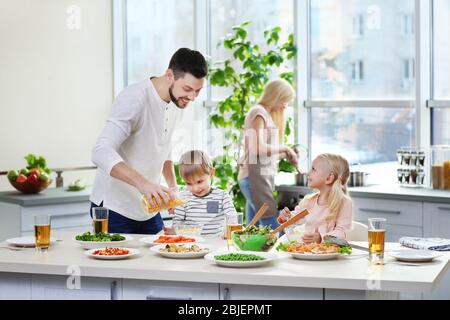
[154, 191]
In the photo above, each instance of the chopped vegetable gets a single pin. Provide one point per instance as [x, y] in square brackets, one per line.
[99, 237]
[239, 257]
[111, 252]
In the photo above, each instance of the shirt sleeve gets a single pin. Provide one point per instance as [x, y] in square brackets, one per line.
[228, 206]
[300, 207]
[123, 120]
[343, 221]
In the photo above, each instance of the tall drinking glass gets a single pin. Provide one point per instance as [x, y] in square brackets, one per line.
[377, 231]
[42, 232]
[233, 223]
[100, 219]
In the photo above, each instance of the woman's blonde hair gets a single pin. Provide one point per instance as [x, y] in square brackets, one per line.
[278, 90]
[341, 171]
[195, 163]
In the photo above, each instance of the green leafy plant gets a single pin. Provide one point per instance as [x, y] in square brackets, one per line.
[246, 86]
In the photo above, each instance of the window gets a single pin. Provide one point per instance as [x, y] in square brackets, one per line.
[408, 24]
[358, 25]
[368, 133]
[357, 71]
[441, 72]
[262, 13]
[155, 30]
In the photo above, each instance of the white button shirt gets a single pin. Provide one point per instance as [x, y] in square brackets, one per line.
[138, 132]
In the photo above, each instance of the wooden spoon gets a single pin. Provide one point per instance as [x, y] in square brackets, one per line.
[291, 221]
[257, 216]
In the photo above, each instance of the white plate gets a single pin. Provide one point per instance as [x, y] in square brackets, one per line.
[133, 252]
[100, 244]
[269, 256]
[314, 256]
[25, 241]
[414, 255]
[151, 240]
[182, 255]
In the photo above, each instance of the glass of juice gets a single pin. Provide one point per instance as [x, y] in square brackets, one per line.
[100, 219]
[377, 231]
[42, 232]
[233, 223]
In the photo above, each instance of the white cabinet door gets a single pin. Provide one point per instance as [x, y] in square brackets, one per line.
[69, 216]
[48, 287]
[246, 292]
[168, 290]
[15, 286]
[437, 225]
[404, 218]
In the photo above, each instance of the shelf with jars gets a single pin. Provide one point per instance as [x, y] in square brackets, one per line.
[440, 167]
[411, 170]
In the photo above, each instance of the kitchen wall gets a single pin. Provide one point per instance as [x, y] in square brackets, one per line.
[56, 81]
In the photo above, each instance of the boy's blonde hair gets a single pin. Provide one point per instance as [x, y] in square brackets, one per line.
[278, 90]
[341, 171]
[195, 163]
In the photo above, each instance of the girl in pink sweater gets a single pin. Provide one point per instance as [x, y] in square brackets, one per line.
[331, 207]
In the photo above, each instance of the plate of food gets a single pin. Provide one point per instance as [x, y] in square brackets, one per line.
[414, 255]
[168, 239]
[88, 240]
[247, 259]
[25, 241]
[112, 253]
[181, 251]
[314, 251]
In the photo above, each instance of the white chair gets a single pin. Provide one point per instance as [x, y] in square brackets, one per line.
[358, 232]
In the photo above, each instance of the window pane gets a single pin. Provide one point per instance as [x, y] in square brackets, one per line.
[441, 49]
[155, 30]
[262, 13]
[363, 135]
[441, 126]
[377, 35]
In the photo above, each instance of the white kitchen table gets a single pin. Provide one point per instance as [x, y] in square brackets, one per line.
[64, 272]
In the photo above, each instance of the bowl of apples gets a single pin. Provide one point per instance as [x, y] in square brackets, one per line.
[32, 179]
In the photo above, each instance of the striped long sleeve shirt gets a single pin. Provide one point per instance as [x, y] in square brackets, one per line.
[209, 210]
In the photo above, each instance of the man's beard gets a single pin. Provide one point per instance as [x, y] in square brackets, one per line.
[172, 97]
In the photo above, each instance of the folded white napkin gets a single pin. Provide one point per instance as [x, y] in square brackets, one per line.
[437, 244]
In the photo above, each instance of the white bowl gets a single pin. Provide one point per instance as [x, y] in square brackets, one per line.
[294, 233]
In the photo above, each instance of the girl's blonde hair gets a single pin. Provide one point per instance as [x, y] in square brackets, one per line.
[194, 163]
[278, 90]
[341, 171]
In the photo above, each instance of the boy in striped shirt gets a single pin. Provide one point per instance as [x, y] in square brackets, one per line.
[204, 205]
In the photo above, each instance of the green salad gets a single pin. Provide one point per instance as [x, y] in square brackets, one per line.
[239, 257]
[99, 237]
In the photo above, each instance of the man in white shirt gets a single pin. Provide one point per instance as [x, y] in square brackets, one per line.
[135, 145]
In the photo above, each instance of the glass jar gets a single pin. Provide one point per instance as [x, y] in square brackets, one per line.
[440, 167]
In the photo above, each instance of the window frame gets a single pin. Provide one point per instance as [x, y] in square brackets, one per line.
[423, 100]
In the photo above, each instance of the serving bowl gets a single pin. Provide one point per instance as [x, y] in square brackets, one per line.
[253, 242]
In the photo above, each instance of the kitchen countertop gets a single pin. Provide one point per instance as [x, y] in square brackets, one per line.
[392, 192]
[344, 273]
[46, 197]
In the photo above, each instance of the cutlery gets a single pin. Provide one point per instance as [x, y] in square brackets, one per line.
[257, 216]
[11, 248]
[291, 221]
[343, 242]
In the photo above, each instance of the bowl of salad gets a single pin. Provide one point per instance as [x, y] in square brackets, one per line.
[89, 240]
[255, 239]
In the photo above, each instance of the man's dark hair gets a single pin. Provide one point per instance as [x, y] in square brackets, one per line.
[188, 61]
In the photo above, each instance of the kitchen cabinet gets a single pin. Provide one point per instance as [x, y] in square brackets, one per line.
[15, 286]
[69, 211]
[168, 290]
[245, 292]
[437, 225]
[44, 287]
[404, 218]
